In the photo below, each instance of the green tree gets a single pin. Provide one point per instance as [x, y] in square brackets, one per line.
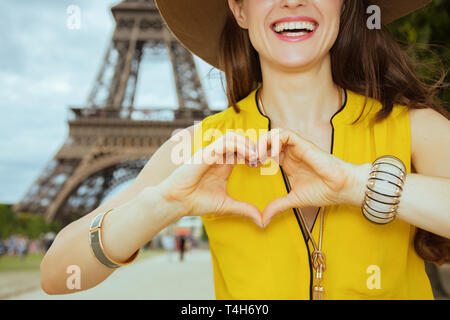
[27, 224]
[8, 221]
[427, 31]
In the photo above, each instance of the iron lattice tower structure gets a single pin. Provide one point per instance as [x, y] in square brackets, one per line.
[109, 140]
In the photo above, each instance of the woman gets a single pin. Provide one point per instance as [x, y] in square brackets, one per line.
[290, 88]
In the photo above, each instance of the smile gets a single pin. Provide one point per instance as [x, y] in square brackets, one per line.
[294, 28]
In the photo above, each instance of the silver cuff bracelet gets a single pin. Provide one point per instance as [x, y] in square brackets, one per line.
[384, 189]
[95, 240]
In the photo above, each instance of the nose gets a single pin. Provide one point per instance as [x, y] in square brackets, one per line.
[292, 3]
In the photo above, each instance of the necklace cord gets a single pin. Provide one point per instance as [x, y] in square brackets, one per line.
[300, 216]
[317, 255]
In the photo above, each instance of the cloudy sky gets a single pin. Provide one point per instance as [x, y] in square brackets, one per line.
[45, 67]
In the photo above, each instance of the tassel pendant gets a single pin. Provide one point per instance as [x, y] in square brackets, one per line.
[318, 293]
[318, 289]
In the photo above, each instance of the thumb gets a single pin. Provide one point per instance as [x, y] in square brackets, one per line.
[277, 206]
[244, 209]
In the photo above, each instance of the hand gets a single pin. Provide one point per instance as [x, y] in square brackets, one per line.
[317, 178]
[199, 185]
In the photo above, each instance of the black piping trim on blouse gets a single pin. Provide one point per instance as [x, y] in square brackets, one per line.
[287, 188]
[332, 141]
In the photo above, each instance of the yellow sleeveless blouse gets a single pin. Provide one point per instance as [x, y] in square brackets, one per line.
[363, 260]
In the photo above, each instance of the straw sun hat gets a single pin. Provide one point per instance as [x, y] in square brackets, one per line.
[197, 24]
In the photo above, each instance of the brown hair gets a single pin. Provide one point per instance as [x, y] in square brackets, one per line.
[368, 62]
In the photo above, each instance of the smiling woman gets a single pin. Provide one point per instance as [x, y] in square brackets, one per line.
[334, 108]
[287, 48]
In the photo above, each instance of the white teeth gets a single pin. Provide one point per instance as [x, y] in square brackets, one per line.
[296, 34]
[282, 26]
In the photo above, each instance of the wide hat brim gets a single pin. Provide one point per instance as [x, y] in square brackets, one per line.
[197, 24]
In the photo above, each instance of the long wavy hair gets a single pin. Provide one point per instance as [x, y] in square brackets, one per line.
[368, 62]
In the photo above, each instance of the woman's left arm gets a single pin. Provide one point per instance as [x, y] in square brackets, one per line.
[425, 200]
[319, 179]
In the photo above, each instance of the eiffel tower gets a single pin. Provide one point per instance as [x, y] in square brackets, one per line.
[109, 140]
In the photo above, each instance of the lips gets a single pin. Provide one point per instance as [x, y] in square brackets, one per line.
[295, 28]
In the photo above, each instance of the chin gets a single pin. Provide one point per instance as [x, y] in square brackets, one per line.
[296, 62]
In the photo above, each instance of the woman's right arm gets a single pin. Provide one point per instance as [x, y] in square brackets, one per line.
[163, 192]
[139, 214]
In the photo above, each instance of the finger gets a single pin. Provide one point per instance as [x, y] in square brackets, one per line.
[195, 168]
[231, 158]
[300, 145]
[305, 151]
[232, 144]
[281, 156]
[241, 139]
[269, 146]
[262, 148]
[277, 206]
[236, 143]
[244, 209]
[201, 162]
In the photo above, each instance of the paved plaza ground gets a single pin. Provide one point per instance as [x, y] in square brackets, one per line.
[158, 277]
[161, 276]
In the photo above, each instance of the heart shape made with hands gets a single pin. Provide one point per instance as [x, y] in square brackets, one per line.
[316, 177]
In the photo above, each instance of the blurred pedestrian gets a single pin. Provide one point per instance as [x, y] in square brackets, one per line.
[168, 243]
[22, 247]
[34, 246]
[2, 247]
[11, 245]
[48, 240]
[182, 247]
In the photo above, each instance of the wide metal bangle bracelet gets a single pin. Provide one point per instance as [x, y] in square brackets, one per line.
[95, 241]
[383, 190]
